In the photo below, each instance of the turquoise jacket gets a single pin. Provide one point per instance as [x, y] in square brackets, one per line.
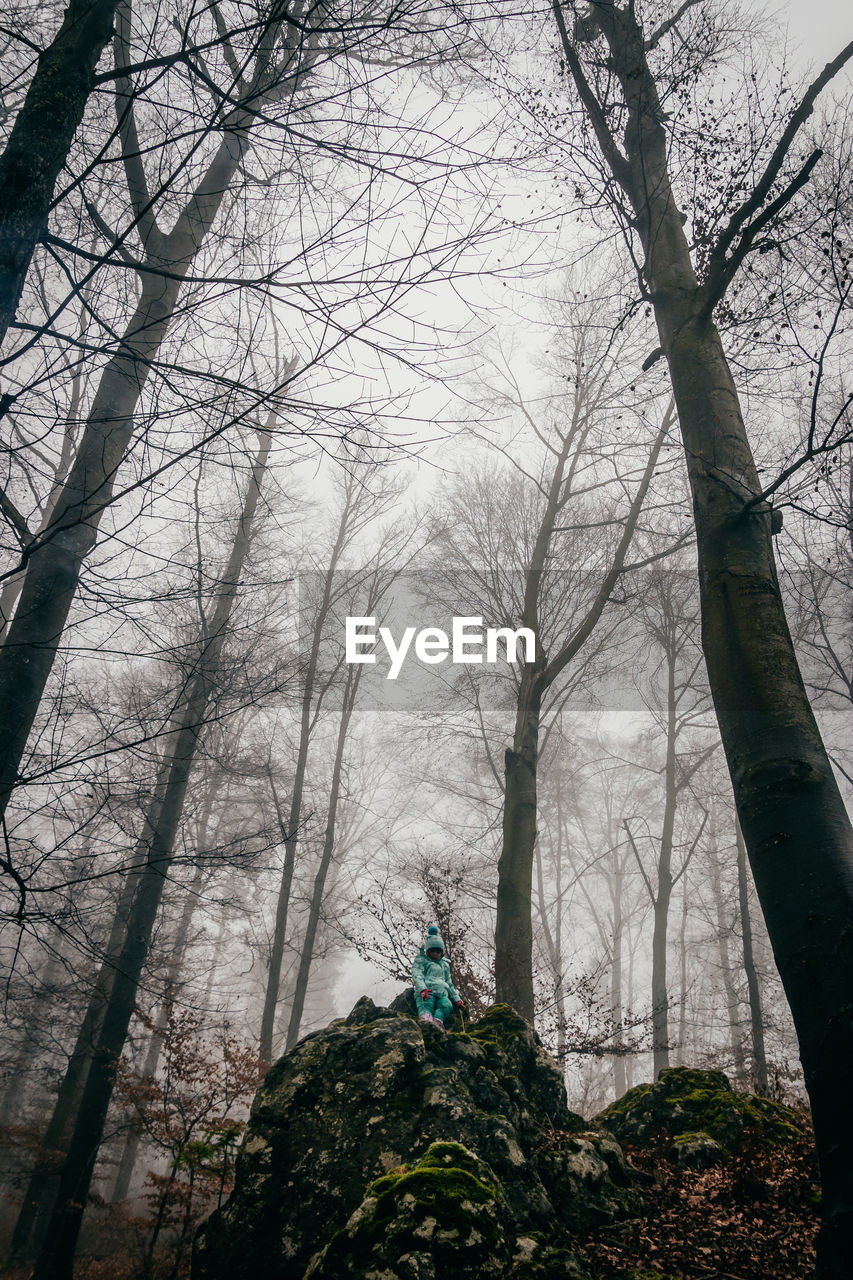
[434, 975]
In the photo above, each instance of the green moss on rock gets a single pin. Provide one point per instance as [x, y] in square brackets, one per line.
[686, 1104]
[498, 1025]
[446, 1206]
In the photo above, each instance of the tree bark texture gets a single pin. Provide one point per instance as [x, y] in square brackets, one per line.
[41, 139]
[514, 923]
[797, 832]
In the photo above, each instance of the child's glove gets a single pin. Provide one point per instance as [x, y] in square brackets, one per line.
[459, 1004]
[425, 993]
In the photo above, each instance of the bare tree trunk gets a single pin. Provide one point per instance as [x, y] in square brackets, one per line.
[723, 933]
[756, 1015]
[282, 908]
[41, 1190]
[663, 891]
[316, 904]
[308, 718]
[620, 1078]
[681, 1042]
[553, 941]
[795, 826]
[513, 923]
[127, 1161]
[55, 1261]
[41, 139]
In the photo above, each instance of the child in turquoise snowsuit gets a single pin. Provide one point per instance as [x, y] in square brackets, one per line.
[435, 995]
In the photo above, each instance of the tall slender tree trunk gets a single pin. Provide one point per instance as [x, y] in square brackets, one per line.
[31, 1223]
[56, 1258]
[41, 138]
[553, 944]
[559, 959]
[308, 717]
[620, 1078]
[795, 825]
[316, 905]
[731, 993]
[127, 1160]
[663, 890]
[514, 923]
[756, 1013]
[514, 926]
[683, 977]
[282, 908]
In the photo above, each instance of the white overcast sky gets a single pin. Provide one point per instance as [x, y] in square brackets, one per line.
[820, 27]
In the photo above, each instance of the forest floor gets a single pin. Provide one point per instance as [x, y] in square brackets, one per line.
[754, 1218]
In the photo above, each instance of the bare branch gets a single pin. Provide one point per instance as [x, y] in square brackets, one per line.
[742, 216]
[656, 36]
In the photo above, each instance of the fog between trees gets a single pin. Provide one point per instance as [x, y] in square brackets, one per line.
[413, 312]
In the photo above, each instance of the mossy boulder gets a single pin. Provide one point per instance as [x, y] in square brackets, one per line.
[385, 1149]
[698, 1150]
[443, 1217]
[702, 1113]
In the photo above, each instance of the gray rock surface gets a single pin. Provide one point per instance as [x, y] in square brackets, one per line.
[382, 1148]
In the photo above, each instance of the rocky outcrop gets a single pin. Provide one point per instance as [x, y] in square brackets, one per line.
[702, 1115]
[384, 1149]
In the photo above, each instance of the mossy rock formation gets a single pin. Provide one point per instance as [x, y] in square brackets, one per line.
[701, 1112]
[384, 1149]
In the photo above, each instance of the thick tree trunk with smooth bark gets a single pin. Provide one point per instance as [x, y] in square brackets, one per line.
[795, 826]
[41, 139]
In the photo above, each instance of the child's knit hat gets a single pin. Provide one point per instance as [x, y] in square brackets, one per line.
[433, 939]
